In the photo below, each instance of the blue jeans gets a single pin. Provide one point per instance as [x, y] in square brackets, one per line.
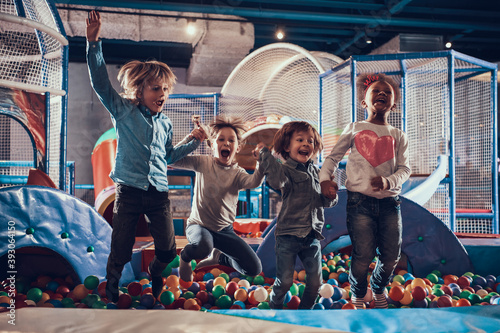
[130, 203]
[375, 228]
[236, 252]
[308, 249]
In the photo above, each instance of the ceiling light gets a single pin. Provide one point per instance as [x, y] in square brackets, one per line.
[368, 40]
[191, 26]
[448, 45]
[280, 33]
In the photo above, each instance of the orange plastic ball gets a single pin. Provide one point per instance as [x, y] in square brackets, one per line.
[349, 306]
[397, 293]
[301, 276]
[172, 281]
[450, 279]
[189, 303]
[220, 281]
[407, 298]
[463, 302]
[241, 295]
[185, 284]
[80, 292]
[251, 298]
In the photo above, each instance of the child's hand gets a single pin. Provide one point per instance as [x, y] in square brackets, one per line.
[379, 183]
[329, 189]
[199, 134]
[93, 26]
[256, 151]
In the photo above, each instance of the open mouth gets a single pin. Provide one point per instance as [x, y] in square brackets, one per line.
[304, 152]
[225, 153]
[380, 100]
[159, 103]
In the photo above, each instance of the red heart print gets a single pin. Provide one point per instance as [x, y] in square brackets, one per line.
[374, 149]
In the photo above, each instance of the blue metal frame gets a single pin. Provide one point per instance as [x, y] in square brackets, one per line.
[452, 56]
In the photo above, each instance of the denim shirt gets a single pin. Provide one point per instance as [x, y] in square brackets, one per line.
[144, 141]
[302, 207]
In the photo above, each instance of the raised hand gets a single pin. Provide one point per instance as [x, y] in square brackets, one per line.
[256, 151]
[93, 26]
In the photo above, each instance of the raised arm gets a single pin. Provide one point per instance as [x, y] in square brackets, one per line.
[93, 26]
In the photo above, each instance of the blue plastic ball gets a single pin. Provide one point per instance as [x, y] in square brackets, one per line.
[326, 302]
[318, 306]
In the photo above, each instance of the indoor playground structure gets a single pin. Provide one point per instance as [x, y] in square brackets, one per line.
[450, 246]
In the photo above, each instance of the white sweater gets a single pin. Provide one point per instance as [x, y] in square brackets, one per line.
[216, 190]
[376, 150]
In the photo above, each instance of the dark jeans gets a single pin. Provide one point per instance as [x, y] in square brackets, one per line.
[130, 203]
[236, 252]
[375, 229]
[308, 249]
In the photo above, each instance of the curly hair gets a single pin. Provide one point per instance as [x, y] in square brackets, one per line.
[284, 135]
[135, 74]
[223, 121]
[363, 79]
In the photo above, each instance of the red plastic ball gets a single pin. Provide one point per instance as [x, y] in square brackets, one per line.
[294, 303]
[445, 301]
[134, 288]
[418, 293]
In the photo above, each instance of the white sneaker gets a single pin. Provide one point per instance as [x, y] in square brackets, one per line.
[211, 260]
[185, 270]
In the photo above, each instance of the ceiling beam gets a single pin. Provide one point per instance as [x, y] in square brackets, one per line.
[379, 18]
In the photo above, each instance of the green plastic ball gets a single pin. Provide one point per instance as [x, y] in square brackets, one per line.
[30, 231]
[167, 297]
[64, 235]
[263, 306]
[258, 280]
[225, 276]
[175, 263]
[224, 302]
[188, 294]
[294, 289]
[218, 291]
[433, 278]
[91, 282]
[90, 249]
[34, 294]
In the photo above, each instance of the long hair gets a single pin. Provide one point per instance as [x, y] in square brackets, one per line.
[284, 135]
[135, 74]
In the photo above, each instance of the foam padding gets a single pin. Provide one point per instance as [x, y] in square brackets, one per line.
[52, 219]
[427, 242]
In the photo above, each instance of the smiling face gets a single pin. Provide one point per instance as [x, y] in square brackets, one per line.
[226, 146]
[379, 100]
[301, 147]
[153, 95]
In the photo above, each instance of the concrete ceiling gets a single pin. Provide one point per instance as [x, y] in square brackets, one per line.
[228, 30]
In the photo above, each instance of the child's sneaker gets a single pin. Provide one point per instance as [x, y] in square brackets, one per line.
[212, 259]
[156, 282]
[185, 270]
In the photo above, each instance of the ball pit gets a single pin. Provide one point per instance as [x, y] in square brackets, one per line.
[217, 289]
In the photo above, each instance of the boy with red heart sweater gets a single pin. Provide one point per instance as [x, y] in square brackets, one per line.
[376, 169]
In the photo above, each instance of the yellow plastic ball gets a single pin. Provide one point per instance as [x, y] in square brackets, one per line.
[220, 281]
[172, 281]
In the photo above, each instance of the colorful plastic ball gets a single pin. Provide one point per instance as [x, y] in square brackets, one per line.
[318, 306]
[91, 282]
[176, 291]
[241, 295]
[407, 298]
[195, 287]
[337, 293]
[463, 281]
[260, 294]
[343, 277]
[208, 276]
[188, 295]
[251, 298]
[218, 291]
[333, 282]
[258, 280]
[326, 290]
[167, 297]
[224, 302]
[463, 302]
[80, 292]
[479, 280]
[225, 276]
[474, 298]
[34, 294]
[202, 295]
[240, 304]
[90, 299]
[419, 293]
[396, 293]
[190, 303]
[433, 278]
[209, 285]
[445, 301]
[349, 306]
[294, 303]
[231, 287]
[294, 289]
[172, 281]
[185, 284]
[325, 302]
[420, 303]
[244, 283]
[134, 288]
[220, 281]
[263, 306]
